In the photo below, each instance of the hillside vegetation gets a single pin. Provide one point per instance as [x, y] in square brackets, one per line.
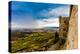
[35, 41]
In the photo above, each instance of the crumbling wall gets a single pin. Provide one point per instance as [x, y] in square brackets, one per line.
[63, 26]
[63, 31]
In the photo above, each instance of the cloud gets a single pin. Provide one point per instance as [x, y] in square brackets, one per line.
[16, 25]
[55, 12]
[44, 13]
[53, 16]
[60, 11]
[50, 22]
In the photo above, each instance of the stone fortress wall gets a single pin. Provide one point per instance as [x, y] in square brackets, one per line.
[72, 42]
[69, 28]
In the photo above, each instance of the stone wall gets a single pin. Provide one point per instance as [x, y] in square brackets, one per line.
[63, 26]
[72, 41]
[68, 28]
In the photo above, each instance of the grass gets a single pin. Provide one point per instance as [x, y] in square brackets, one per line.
[36, 41]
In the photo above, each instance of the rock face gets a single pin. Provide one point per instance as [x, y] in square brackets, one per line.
[72, 41]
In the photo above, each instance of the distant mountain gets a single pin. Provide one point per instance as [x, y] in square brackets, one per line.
[36, 30]
[52, 28]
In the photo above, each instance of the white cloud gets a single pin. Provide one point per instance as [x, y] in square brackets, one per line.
[53, 22]
[15, 25]
[50, 22]
[60, 11]
[56, 12]
[44, 13]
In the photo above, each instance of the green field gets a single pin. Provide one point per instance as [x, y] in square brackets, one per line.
[35, 41]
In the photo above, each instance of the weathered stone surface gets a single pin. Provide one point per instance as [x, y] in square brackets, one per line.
[72, 41]
[63, 26]
[69, 28]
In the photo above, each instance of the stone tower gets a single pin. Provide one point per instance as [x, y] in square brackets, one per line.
[69, 28]
[72, 42]
[63, 26]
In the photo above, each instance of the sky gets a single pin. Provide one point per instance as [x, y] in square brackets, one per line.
[37, 15]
